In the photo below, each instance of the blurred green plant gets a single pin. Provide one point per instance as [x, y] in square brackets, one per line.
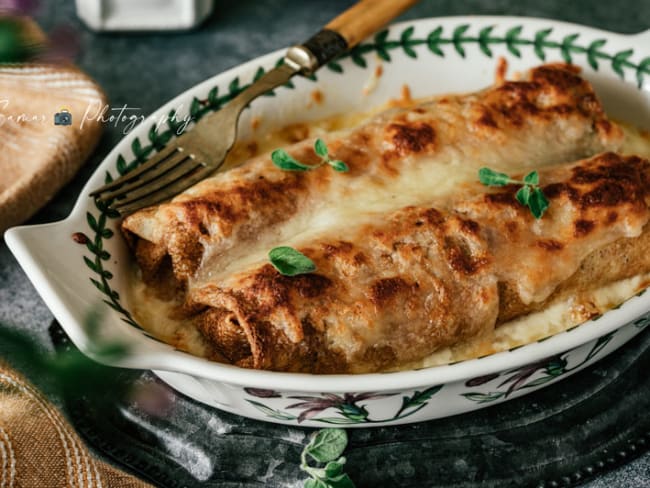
[15, 43]
[70, 369]
[21, 40]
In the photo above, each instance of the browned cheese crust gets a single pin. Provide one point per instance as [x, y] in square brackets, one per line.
[395, 287]
[421, 278]
[552, 115]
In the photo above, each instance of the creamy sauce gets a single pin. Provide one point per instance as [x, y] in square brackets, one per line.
[556, 318]
[637, 141]
[157, 317]
[155, 314]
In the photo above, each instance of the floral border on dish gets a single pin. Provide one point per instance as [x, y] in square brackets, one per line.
[353, 408]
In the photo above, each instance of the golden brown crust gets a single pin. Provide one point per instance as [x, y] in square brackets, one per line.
[395, 287]
[419, 279]
[551, 116]
[621, 259]
[591, 200]
[290, 320]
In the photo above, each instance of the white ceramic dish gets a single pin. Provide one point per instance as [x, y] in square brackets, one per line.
[431, 56]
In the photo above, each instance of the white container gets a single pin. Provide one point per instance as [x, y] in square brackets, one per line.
[141, 15]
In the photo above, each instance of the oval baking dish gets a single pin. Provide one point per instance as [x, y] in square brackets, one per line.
[438, 55]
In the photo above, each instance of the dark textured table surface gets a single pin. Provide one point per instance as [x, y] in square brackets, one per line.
[146, 70]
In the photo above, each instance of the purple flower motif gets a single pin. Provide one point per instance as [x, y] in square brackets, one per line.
[481, 380]
[521, 375]
[262, 393]
[347, 405]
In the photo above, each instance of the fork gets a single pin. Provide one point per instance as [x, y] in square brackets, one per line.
[198, 152]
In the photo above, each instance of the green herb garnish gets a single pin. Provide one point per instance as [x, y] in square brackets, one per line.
[283, 160]
[290, 262]
[529, 195]
[326, 447]
[287, 260]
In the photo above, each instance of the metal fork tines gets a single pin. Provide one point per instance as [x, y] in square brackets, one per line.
[167, 173]
[189, 158]
[202, 150]
[185, 161]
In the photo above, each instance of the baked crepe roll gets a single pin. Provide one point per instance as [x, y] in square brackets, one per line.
[401, 157]
[393, 291]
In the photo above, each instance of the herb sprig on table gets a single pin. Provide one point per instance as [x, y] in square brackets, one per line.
[326, 447]
[70, 369]
[283, 160]
[529, 195]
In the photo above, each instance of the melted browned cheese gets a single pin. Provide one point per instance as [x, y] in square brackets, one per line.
[404, 156]
[408, 262]
[421, 278]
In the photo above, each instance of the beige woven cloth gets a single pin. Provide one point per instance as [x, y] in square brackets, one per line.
[37, 157]
[39, 449]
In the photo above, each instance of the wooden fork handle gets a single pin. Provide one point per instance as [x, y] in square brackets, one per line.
[367, 17]
[346, 31]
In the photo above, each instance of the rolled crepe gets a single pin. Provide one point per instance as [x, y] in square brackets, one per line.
[401, 271]
[401, 157]
[392, 292]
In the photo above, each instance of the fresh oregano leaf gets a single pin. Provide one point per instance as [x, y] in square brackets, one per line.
[328, 445]
[315, 483]
[529, 195]
[334, 468]
[492, 178]
[290, 262]
[538, 203]
[283, 160]
[341, 481]
[339, 166]
[532, 178]
[320, 148]
[523, 195]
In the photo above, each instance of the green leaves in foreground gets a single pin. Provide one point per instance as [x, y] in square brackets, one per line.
[290, 262]
[283, 160]
[72, 371]
[15, 43]
[529, 195]
[326, 447]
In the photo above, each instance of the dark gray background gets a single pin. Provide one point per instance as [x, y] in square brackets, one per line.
[145, 70]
